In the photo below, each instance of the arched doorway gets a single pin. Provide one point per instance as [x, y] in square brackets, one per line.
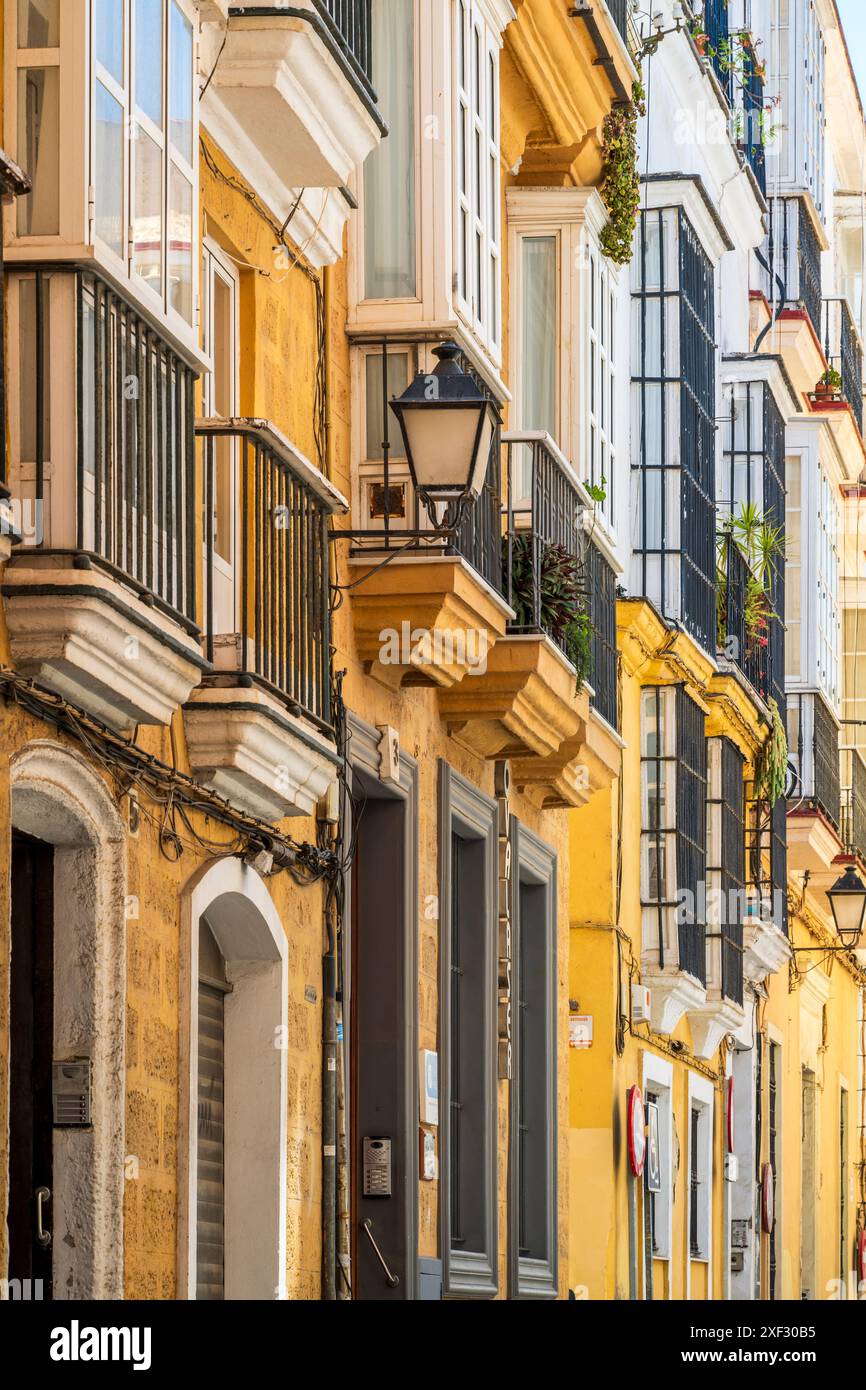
[64, 1189]
[235, 1065]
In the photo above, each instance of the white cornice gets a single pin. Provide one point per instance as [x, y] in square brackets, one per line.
[679, 190]
[527, 207]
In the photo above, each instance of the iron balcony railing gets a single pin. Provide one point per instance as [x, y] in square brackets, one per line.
[135, 486]
[752, 137]
[479, 534]
[550, 533]
[844, 351]
[714, 21]
[749, 649]
[794, 257]
[853, 813]
[351, 21]
[813, 742]
[266, 565]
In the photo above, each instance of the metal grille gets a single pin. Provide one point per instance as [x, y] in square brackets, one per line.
[853, 828]
[281, 570]
[748, 651]
[817, 759]
[210, 1221]
[351, 21]
[691, 835]
[753, 472]
[752, 142]
[843, 350]
[694, 1184]
[779, 861]
[795, 258]
[135, 469]
[732, 869]
[715, 23]
[675, 553]
[602, 608]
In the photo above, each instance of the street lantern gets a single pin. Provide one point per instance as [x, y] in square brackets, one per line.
[447, 424]
[848, 903]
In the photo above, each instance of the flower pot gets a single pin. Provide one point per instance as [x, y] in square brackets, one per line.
[701, 41]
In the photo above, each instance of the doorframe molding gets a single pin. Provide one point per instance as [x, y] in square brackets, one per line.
[363, 755]
[55, 795]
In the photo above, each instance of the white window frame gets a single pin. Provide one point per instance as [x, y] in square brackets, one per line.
[476, 212]
[216, 265]
[797, 157]
[658, 1076]
[576, 217]
[651, 912]
[701, 1097]
[123, 266]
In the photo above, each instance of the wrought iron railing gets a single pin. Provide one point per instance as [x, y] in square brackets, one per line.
[352, 23]
[814, 748]
[715, 24]
[266, 563]
[843, 350]
[134, 470]
[547, 514]
[739, 601]
[752, 139]
[691, 837]
[853, 811]
[795, 258]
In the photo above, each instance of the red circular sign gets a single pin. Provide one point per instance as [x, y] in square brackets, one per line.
[768, 1199]
[636, 1131]
[730, 1114]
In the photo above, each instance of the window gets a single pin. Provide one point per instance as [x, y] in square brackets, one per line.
[213, 987]
[793, 567]
[798, 74]
[469, 910]
[144, 144]
[38, 97]
[673, 427]
[726, 863]
[601, 402]
[700, 1170]
[844, 1244]
[828, 589]
[532, 1196]
[389, 173]
[220, 398]
[658, 1084]
[476, 144]
[674, 828]
[774, 1112]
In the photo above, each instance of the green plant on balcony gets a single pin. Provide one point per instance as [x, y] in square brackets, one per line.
[560, 590]
[762, 546]
[771, 767]
[829, 385]
[620, 182]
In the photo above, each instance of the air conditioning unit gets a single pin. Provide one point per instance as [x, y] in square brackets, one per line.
[641, 1003]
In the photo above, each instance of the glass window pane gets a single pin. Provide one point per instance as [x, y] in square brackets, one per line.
[109, 169]
[147, 215]
[27, 361]
[108, 36]
[38, 23]
[389, 174]
[539, 334]
[180, 244]
[148, 58]
[180, 83]
[39, 150]
[398, 380]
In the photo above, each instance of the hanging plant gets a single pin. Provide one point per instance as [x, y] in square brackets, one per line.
[562, 599]
[620, 183]
[771, 769]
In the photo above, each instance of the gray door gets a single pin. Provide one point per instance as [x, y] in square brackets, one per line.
[210, 1230]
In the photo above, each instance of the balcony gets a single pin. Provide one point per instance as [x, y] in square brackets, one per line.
[259, 728]
[844, 352]
[550, 695]
[293, 85]
[853, 808]
[792, 284]
[102, 606]
[745, 617]
[815, 798]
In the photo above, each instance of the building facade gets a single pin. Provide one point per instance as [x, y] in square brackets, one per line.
[364, 853]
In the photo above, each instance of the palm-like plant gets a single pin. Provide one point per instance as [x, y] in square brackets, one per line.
[548, 590]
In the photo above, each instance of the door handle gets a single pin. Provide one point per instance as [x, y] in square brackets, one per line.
[393, 1280]
[43, 1237]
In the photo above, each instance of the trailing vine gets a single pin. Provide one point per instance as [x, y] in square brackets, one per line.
[620, 182]
[771, 772]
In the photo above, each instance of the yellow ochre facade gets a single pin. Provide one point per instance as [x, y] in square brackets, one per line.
[367, 839]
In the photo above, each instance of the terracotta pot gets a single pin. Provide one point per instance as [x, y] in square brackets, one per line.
[701, 41]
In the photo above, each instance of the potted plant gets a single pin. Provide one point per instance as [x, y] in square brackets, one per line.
[829, 385]
[555, 595]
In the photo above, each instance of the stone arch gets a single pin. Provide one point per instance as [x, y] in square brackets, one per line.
[56, 796]
[242, 916]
